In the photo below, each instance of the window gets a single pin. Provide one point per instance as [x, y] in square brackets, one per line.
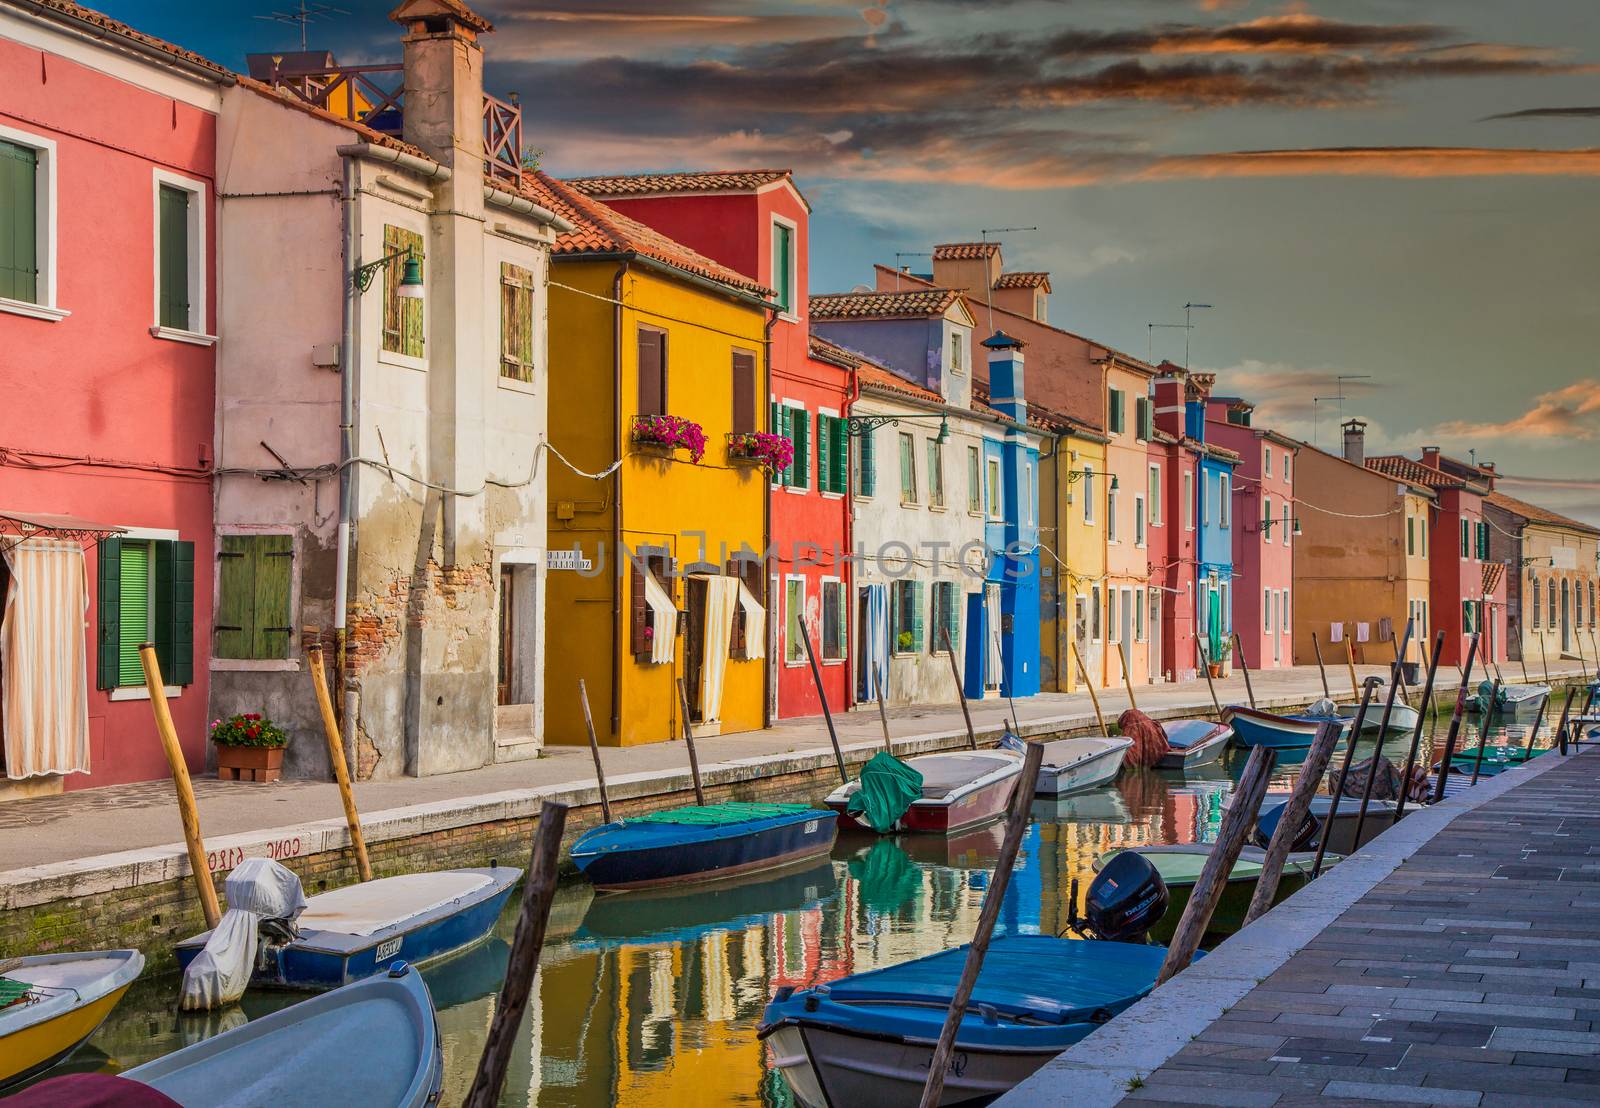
[516, 329]
[1286, 466]
[1188, 501]
[743, 420]
[1080, 619]
[1422, 535]
[254, 574]
[1088, 495]
[791, 421]
[833, 620]
[794, 610]
[864, 462]
[1266, 465]
[1155, 496]
[1266, 609]
[958, 344]
[1205, 499]
[180, 224]
[1227, 607]
[1411, 534]
[974, 482]
[1138, 614]
[996, 497]
[27, 225]
[652, 370]
[1145, 418]
[833, 453]
[935, 474]
[1113, 534]
[145, 594]
[1266, 518]
[1224, 499]
[1551, 608]
[1591, 605]
[1483, 541]
[1094, 607]
[1115, 403]
[653, 617]
[946, 616]
[403, 330]
[1138, 521]
[908, 633]
[1283, 604]
[1463, 538]
[783, 266]
[1111, 616]
[908, 469]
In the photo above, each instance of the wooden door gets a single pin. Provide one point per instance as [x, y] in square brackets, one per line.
[507, 637]
[694, 642]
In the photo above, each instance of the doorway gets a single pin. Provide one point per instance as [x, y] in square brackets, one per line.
[1156, 631]
[517, 664]
[694, 644]
[1274, 622]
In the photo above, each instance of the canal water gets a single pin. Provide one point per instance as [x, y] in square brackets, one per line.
[655, 999]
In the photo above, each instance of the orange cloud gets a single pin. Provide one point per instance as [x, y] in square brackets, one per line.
[1568, 413]
[1378, 161]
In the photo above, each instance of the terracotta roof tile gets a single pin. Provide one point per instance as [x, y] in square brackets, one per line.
[1536, 514]
[1413, 472]
[419, 9]
[882, 380]
[902, 304]
[1024, 279]
[600, 229]
[645, 184]
[833, 353]
[122, 30]
[964, 251]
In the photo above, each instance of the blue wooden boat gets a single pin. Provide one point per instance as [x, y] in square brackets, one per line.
[868, 1039]
[1253, 727]
[701, 843]
[359, 930]
[1193, 742]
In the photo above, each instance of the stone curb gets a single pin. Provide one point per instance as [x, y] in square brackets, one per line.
[1097, 1071]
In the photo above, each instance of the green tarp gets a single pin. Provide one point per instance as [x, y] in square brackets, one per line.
[888, 787]
[718, 815]
[12, 991]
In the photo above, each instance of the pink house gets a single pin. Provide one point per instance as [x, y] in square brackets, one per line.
[1263, 538]
[107, 310]
[1173, 544]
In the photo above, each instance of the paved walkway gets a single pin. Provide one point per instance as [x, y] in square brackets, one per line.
[1463, 968]
[80, 826]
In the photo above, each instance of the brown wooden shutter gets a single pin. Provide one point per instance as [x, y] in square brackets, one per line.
[402, 316]
[516, 322]
[744, 392]
[652, 372]
[639, 612]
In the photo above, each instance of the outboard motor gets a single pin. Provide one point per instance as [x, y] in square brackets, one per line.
[1126, 899]
[1305, 836]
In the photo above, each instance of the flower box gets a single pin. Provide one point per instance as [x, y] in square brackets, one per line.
[670, 433]
[249, 763]
[772, 453]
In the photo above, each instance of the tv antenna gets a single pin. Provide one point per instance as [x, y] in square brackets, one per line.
[1150, 339]
[306, 13]
[898, 268]
[988, 291]
[1188, 328]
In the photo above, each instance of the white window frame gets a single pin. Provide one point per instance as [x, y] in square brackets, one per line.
[837, 585]
[1224, 501]
[1112, 534]
[1266, 610]
[1283, 607]
[1155, 495]
[1140, 523]
[936, 468]
[955, 354]
[149, 535]
[199, 222]
[795, 293]
[1266, 466]
[1188, 500]
[788, 579]
[974, 480]
[1113, 635]
[1139, 615]
[1088, 497]
[1286, 457]
[44, 235]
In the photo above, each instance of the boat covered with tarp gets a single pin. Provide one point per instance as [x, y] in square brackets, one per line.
[701, 842]
[51, 1003]
[1510, 698]
[1193, 742]
[954, 789]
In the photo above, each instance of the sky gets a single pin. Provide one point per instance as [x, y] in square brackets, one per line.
[1402, 193]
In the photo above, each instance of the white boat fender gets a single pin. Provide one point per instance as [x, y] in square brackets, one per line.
[1323, 707]
[257, 889]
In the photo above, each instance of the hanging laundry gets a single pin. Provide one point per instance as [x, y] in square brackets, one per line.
[1337, 633]
[1363, 632]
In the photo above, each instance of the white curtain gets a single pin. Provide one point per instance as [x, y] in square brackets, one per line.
[44, 674]
[875, 656]
[722, 594]
[755, 623]
[663, 619]
[996, 660]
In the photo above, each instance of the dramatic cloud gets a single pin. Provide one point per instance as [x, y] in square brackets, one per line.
[1286, 396]
[1380, 161]
[1559, 418]
[1547, 113]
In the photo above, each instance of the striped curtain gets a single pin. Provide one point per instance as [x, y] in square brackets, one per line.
[44, 677]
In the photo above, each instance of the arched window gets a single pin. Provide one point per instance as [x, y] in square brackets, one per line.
[1538, 592]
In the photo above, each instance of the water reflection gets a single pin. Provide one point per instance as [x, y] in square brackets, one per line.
[654, 999]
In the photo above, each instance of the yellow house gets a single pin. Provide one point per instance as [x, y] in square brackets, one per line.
[1074, 561]
[658, 377]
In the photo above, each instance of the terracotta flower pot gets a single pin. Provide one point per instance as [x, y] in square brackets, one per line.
[249, 763]
[1215, 668]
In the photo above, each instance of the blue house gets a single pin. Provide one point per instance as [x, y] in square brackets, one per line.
[1213, 585]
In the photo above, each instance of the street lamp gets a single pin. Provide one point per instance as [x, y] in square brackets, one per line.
[858, 425]
[410, 275]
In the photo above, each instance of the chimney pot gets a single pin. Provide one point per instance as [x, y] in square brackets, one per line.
[1355, 442]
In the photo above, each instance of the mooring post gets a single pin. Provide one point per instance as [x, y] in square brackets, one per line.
[1455, 719]
[993, 898]
[1294, 811]
[1127, 678]
[822, 695]
[1244, 668]
[1350, 660]
[594, 752]
[688, 740]
[883, 715]
[1377, 752]
[1205, 664]
[1416, 735]
[188, 811]
[961, 694]
[1490, 710]
[1089, 684]
[1344, 773]
[1561, 730]
[1321, 669]
[1208, 889]
[341, 775]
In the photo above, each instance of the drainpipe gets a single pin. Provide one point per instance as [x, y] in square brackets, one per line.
[850, 529]
[766, 526]
[616, 502]
[347, 330]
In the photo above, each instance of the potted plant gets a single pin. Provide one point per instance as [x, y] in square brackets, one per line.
[249, 747]
[772, 453]
[1219, 661]
[670, 432]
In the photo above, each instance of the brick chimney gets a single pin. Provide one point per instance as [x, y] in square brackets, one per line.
[1355, 442]
[1167, 395]
[1430, 456]
[443, 113]
[972, 267]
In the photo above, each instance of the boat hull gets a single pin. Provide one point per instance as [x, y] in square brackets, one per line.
[1257, 728]
[43, 1034]
[779, 842]
[1081, 773]
[961, 805]
[1231, 908]
[1402, 717]
[320, 960]
[1212, 740]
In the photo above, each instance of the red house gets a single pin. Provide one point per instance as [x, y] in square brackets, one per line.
[1173, 542]
[107, 303]
[1467, 588]
[757, 223]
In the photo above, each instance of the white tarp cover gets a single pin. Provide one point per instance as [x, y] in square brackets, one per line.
[755, 623]
[44, 677]
[663, 620]
[257, 889]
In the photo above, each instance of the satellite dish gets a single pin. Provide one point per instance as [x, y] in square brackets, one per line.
[861, 288]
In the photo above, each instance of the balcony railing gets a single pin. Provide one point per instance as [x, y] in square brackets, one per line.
[363, 94]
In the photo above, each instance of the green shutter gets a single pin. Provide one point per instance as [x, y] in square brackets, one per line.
[824, 455]
[233, 632]
[1114, 413]
[917, 624]
[174, 262]
[869, 463]
[782, 265]
[253, 601]
[19, 223]
[952, 614]
[841, 454]
[775, 426]
[109, 587]
[274, 565]
[174, 611]
[134, 618]
[801, 433]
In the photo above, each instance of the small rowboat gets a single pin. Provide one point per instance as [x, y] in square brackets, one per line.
[51, 1003]
[868, 1039]
[1380, 817]
[701, 843]
[1402, 717]
[959, 789]
[1512, 698]
[371, 1044]
[1253, 727]
[1180, 867]
[359, 930]
[1497, 758]
[1193, 742]
[1073, 765]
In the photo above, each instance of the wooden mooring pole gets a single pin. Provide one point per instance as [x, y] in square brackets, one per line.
[1533, 732]
[1211, 686]
[1544, 657]
[1566, 713]
[1455, 719]
[961, 694]
[1305, 787]
[1321, 670]
[1350, 660]
[883, 715]
[993, 899]
[188, 811]
[1377, 749]
[1490, 711]
[1127, 677]
[1094, 699]
[505, 1029]
[1244, 668]
[341, 773]
[1213, 880]
[822, 695]
[594, 751]
[1344, 774]
[1416, 735]
[688, 740]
